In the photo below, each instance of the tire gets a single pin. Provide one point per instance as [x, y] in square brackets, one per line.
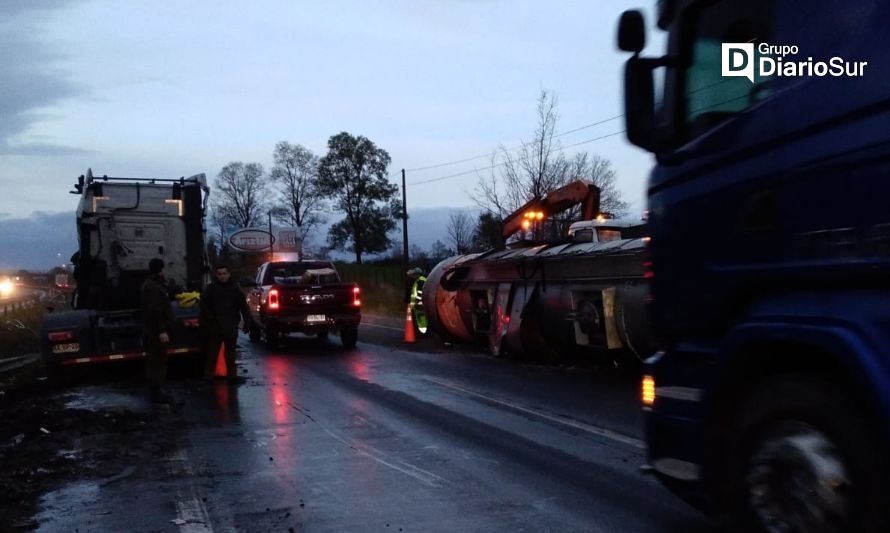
[322, 336]
[255, 334]
[349, 336]
[803, 459]
[271, 337]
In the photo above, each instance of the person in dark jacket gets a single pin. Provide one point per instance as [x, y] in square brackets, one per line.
[157, 318]
[222, 304]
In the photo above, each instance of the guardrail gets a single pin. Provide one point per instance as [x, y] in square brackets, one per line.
[10, 305]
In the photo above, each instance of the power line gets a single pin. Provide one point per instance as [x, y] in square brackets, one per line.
[475, 170]
[450, 176]
[473, 158]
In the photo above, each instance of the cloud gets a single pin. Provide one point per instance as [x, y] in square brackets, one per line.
[29, 80]
[35, 242]
[42, 149]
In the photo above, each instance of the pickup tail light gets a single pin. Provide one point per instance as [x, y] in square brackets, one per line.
[356, 296]
[59, 336]
[273, 299]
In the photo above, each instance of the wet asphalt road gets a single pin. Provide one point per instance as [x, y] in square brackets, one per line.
[387, 439]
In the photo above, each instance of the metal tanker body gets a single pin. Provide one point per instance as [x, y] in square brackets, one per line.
[542, 300]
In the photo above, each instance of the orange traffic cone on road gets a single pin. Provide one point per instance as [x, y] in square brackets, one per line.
[221, 371]
[409, 327]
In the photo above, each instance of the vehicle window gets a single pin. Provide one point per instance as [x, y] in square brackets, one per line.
[583, 235]
[708, 97]
[301, 274]
[606, 234]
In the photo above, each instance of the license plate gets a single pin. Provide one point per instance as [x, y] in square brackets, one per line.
[316, 318]
[68, 347]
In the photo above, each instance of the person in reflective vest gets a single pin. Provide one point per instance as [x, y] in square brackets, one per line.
[416, 280]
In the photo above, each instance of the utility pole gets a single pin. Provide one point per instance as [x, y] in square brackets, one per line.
[404, 225]
[271, 242]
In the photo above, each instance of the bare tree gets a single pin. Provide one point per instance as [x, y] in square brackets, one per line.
[416, 253]
[598, 170]
[539, 166]
[490, 194]
[439, 251]
[218, 223]
[295, 174]
[240, 198]
[536, 169]
[460, 232]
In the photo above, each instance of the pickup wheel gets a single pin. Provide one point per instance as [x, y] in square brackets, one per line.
[805, 460]
[271, 336]
[349, 336]
[255, 334]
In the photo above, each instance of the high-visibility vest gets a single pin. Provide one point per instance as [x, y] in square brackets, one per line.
[416, 297]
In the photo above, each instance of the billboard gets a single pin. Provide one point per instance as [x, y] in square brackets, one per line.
[258, 240]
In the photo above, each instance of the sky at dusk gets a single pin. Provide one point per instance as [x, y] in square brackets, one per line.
[169, 89]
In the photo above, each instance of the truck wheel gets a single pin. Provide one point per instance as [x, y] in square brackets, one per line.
[254, 334]
[349, 336]
[271, 337]
[805, 460]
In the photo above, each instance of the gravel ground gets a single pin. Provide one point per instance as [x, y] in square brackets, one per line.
[47, 438]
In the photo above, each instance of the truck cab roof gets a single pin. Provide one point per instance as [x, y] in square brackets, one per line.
[604, 230]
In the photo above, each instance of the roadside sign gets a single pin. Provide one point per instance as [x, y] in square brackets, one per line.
[251, 240]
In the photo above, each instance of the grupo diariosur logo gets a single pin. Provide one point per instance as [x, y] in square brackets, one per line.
[744, 60]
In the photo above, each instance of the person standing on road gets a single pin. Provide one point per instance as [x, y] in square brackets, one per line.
[221, 304]
[157, 318]
[411, 278]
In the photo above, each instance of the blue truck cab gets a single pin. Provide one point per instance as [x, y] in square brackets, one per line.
[769, 215]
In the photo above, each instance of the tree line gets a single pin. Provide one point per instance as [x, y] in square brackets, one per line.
[301, 189]
[537, 168]
[350, 180]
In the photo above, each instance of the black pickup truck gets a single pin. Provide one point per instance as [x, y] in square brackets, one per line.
[306, 297]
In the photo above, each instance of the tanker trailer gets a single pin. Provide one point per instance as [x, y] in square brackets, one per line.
[541, 300]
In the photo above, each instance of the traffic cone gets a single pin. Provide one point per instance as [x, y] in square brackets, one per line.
[221, 371]
[409, 326]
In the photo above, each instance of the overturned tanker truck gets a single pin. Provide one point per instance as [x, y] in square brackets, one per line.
[544, 299]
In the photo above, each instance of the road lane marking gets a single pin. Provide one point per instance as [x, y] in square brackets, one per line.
[424, 476]
[598, 431]
[382, 327]
[191, 514]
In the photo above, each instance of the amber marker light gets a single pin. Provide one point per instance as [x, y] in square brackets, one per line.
[647, 392]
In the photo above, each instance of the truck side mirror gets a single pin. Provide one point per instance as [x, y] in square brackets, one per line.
[639, 102]
[631, 32]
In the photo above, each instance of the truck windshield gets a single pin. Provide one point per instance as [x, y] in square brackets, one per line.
[297, 274]
[608, 234]
[708, 97]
